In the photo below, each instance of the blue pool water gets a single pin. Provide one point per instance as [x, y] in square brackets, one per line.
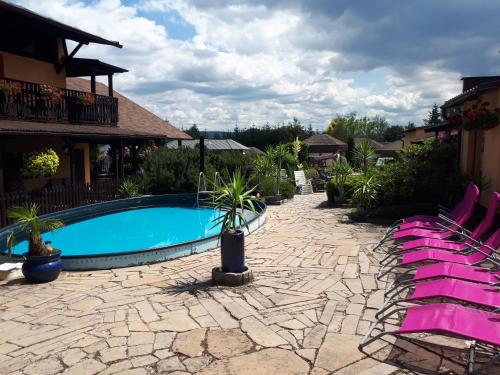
[138, 229]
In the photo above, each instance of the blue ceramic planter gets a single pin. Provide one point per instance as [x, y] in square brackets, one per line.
[42, 269]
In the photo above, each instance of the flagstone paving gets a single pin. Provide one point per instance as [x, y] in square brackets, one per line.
[314, 295]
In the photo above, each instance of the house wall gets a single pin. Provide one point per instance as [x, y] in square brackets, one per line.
[28, 69]
[28, 144]
[482, 146]
[418, 133]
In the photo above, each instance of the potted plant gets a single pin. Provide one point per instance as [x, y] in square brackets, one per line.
[341, 170]
[480, 116]
[231, 200]
[42, 262]
[365, 194]
[40, 164]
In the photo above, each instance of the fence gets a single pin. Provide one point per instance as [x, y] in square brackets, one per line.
[60, 198]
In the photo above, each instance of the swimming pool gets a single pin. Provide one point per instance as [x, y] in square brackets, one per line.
[134, 231]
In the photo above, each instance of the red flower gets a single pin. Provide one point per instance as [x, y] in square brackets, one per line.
[481, 113]
[486, 103]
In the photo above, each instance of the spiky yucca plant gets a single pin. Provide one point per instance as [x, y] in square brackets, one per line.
[27, 218]
[233, 199]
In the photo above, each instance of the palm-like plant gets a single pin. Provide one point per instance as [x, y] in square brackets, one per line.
[232, 199]
[341, 171]
[29, 222]
[366, 191]
[364, 155]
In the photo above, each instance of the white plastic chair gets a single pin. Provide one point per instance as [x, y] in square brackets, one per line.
[304, 185]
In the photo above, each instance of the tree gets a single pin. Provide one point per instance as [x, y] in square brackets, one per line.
[393, 133]
[310, 130]
[434, 116]
[194, 132]
[410, 126]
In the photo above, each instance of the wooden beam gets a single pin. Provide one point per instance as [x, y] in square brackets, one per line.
[2, 182]
[110, 84]
[92, 83]
[60, 66]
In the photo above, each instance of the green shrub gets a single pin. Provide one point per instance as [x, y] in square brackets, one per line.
[129, 189]
[267, 186]
[287, 189]
[310, 172]
[165, 171]
[331, 191]
[424, 173]
[40, 163]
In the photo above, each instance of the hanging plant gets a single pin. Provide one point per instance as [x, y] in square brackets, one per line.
[480, 116]
[40, 164]
[9, 89]
[84, 98]
[50, 93]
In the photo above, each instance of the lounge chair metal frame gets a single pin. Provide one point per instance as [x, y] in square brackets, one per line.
[493, 257]
[368, 339]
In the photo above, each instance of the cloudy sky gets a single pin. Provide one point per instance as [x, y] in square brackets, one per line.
[220, 62]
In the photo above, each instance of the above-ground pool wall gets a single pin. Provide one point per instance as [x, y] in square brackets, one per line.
[126, 259]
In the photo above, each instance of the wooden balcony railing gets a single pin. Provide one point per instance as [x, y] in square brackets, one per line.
[28, 101]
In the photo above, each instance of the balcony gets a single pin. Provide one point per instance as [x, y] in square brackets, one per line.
[28, 101]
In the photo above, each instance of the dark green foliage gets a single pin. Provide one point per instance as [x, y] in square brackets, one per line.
[350, 150]
[393, 133]
[434, 116]
[166, 171]
[287, 189]
[267, 186]
[228, 163]
[268, 135]
[425, 173]
[193, 131]
[331, 191]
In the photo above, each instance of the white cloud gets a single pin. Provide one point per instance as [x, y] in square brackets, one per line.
[248, 63]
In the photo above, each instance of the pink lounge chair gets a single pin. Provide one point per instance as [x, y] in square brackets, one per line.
[481, 229]
[432, 271]
[483, 327]
[438, 233]
[467, 204]
[450, 289]
[473, 256]
[424, 221]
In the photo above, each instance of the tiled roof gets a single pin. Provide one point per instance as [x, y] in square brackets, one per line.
[392, 146]
[376, 145]
[324, 140]
[211, 144]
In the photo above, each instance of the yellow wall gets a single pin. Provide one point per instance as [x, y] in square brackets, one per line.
[31, 70]
[490, 163]
[418, 133]
[29, 144]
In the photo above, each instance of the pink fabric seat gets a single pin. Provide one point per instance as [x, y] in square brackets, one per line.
[456, 271]
[440, 255]
[476, 234]
[462, 217]
[465, 322]
[456, 289]
[425, 221]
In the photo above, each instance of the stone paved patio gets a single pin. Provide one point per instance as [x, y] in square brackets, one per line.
[314, 294]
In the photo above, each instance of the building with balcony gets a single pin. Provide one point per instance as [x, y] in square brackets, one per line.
[44, 103]
[479, 140]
